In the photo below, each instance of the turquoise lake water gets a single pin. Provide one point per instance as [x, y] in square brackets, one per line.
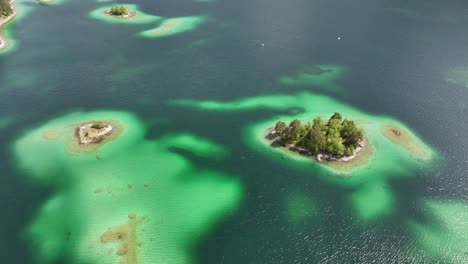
[193, 84]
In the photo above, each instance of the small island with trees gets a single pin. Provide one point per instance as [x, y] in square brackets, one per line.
[120, 12]
[337, 139]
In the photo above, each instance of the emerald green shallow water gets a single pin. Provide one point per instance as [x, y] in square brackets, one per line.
[387, 160]
[195, 85]
[178, 200]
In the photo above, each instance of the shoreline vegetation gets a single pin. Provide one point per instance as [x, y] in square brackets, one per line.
[336, 140]
[7, 13]
[120, 12]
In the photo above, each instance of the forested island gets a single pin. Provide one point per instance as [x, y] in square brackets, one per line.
[332, 140]
[120, 11]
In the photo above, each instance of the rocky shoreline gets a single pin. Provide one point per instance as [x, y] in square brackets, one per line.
[320, 157]
[93, 132]
[3, 22]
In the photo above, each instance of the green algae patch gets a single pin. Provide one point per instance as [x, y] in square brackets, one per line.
[300, 208]
[139, 17]
[373, 201]
[386, 159]
[173, 26]
[445, 236]
[322, 76]
[139, 203]
[458, 75]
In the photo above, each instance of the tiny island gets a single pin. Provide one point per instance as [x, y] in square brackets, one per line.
[120, 12]
[333, 140]
[93, 132]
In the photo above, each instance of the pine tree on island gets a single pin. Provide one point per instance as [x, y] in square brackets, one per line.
[118, 11]
[336, 137]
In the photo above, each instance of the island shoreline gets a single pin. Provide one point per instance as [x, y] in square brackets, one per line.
[322, 158]
[97, 140]
[77, 146]
[4, 43]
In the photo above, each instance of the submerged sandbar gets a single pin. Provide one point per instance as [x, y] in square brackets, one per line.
[172, 26]
[404, 138]
[126, 236]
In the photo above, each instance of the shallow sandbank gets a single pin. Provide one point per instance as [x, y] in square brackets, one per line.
[172, 26]
[404, 138]
[126, 237]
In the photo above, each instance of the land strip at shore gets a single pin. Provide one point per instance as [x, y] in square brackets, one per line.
[3, 22]
[275, 140]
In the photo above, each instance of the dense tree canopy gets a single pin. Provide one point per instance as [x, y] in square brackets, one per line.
[5, 8]
[336, 137]
[118, 10]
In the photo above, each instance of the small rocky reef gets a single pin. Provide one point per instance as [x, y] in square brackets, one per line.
[93, 132]
[332, 140]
